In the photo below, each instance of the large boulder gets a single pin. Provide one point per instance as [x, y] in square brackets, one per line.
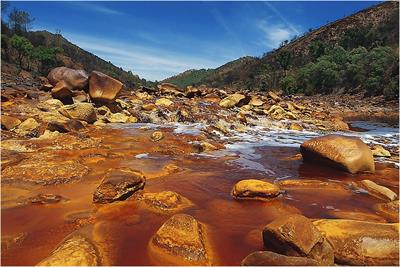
[103, 88]
[348, 153]
[268, 258]
[255, 189]
[361, 243]
[171, 89]
[295, 235]
[76, 250]
[79, 111]
[62, 91]
[76, 79]
[181, 240]
[234, 100]
[118, 184]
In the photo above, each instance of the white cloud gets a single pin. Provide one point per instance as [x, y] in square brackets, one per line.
[97, 8]
[274, 34]
[148, 63]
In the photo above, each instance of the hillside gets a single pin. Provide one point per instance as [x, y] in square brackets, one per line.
[370, 28]
[67, 54]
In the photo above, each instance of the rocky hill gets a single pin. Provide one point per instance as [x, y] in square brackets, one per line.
[68, 54]
[370, 28]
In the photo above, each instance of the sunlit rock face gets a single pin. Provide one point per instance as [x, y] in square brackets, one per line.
[361, 243]
[295, 235]
[79, 111]
[255, 189]
[103, 88]
[76, 79]
[181, 239]
[348, 153]
[118, 184]
[74, 251]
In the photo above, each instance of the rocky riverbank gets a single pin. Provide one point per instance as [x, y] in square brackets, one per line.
[94, 174]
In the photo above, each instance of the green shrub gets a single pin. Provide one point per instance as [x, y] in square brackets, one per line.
[288, 84]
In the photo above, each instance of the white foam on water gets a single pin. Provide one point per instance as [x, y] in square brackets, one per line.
[142, 156]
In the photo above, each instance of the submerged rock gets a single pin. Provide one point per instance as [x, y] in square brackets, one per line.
[79, 111]
[295, 235]
[269, 258]
[349, 153]
[103, 88]
[378, 190]
[76, 250]
[45, 199]
[157, 136]
[361, 243]
[166, 201]
[76, 79]
[355, 215]
[118, 184]
[255, 189]
[181, 240]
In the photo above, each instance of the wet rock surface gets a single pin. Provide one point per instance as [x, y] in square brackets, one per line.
[361, 243]
[118, 184]
[255, 189]
[166, 202]
[348, 153]
[183, 239]
[74, 251]
[295, 235]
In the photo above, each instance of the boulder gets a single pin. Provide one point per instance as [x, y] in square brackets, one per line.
[181, 240]
[255, 189]
[103, 88]
[295, 235]
[361, 243]
[76, 79]
[79, 111]
[163, 102]
[255, 101]
[118, 184]
[65, 127]
[171, 89]
[379, 151]
[348, 153]
[157, 136]
[378, 190]
[28, 127]
[120, 118]
[274, 96]
[61, 91]
[268, 258]
[76, 250]
[8, 122]
[234, 100]
[166, 202]
[337, 124]
[149, 107]
[295, 127]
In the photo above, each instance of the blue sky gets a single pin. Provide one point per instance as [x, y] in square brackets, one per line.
[159, 39]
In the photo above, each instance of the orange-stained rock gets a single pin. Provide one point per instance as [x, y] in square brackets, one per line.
[255, 189]
[376, 190]
[103, 88]
[295, 235]
[166, 202]
[8, 122]
[171, 89]
[268, 258]
[79, 111]
[234, 100]
[61, 90]
[76, 79]
[354, 215]
[348, 153]
[361, 243]
[75, 250]
[118, 184]
[181, 240]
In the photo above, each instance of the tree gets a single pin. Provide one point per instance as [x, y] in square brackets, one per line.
[318, 48]
[20, 21]
[22, 46]
[288, 84]
[47, 57]
[284, 58]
